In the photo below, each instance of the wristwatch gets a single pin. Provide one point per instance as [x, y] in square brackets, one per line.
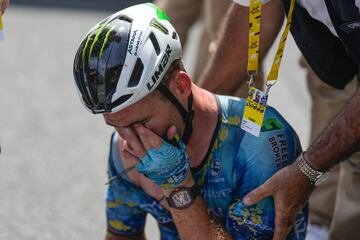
[183, 197]
[315, 177]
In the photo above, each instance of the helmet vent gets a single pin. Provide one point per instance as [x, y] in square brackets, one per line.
[155, 43]
[121, 100]
[125, 18]
[136, 73]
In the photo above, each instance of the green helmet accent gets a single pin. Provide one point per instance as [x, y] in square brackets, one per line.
[160, 13]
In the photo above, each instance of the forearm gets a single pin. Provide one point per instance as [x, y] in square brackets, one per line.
[218, 67]
[339, 140]
[195, 223]
[229, 62]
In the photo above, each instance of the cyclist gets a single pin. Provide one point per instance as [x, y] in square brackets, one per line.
[178, 152]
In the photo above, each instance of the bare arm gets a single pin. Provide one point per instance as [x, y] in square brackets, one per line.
[182, 13]
[339, 140]
[3, 5]
[229, 62]
[196, 217]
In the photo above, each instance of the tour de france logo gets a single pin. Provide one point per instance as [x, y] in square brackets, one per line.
[258, 96]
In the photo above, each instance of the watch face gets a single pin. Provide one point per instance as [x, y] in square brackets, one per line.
[181, 198]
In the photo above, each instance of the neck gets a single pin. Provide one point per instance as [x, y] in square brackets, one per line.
[204, 124]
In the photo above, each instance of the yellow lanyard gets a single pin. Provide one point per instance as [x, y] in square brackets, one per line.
[256, 101]
[254, 43]
[1, 24]
[1, 29]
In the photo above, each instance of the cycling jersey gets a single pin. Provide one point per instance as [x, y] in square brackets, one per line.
[235, 163]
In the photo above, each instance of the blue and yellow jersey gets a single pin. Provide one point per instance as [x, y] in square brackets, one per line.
[236, 163]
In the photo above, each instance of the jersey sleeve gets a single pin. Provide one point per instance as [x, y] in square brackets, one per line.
[257, 160]
[123, 217]
[254, 167]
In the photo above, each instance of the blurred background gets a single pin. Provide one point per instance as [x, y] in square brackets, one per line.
[53, 152]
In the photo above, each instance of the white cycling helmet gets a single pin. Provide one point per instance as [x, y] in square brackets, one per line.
[124, 57]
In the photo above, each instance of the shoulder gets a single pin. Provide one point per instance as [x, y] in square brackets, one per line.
[276, 147]
[278, 143]
[277, 137]
[232, 109]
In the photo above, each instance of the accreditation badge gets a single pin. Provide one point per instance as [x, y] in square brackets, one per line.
[1, 30]
[254, 111]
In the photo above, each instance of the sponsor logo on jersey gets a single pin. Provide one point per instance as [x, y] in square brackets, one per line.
[218, 194]
[271, 124]
[215, 168]
[159, 72]
[279, 147]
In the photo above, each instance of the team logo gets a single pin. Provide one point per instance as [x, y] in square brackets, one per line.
[156, 24]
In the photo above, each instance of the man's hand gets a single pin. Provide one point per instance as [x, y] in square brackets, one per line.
[4, 4]
[166, 165]
[291, 190]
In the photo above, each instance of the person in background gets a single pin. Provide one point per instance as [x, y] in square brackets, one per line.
[3, 5]
[211, 13]
[334, 55]
[327, 200]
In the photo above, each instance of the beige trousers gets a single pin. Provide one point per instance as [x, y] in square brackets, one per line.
[335, 203]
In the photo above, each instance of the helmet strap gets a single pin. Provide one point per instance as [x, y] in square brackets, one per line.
[187, 115]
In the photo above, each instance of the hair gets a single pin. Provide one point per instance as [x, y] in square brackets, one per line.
[176, 65]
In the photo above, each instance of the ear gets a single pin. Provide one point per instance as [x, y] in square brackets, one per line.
[181, 84]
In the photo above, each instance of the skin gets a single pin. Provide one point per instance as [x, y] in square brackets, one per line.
[230, 59]
[141, 126]
[338, 141]
[4, 4]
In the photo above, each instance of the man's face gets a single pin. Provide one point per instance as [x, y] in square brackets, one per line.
[154, 113]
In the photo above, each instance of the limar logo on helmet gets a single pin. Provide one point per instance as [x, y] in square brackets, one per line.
[163, 63]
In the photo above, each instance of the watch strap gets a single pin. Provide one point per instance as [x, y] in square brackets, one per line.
[312, 174]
